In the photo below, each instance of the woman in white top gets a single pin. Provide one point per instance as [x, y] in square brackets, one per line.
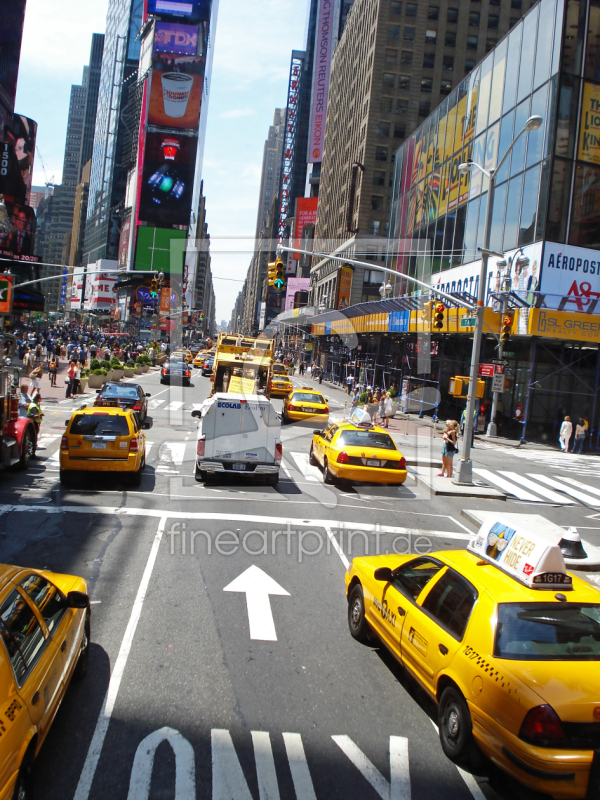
[387, 409]
[566, 430]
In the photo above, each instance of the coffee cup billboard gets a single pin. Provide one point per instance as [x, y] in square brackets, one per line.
[169, 162]
[176, 91]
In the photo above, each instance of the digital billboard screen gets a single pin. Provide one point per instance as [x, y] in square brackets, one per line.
[167, 179]
[176, 91]
[189, 10]
[18, 243]
[16, 156]
[174, 37]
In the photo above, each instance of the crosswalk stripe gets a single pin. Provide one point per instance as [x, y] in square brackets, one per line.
[581, 496]
[507, 486]
[173, 453]
[305, 468]
[286, 470]
[175, 405]
[553, 497]
[148, 448]
[579, 484]
[154, 404]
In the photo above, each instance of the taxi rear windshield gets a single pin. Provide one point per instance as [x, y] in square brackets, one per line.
[366, 439]
[307, 397]
[548, 631]
[100, 425]
[114, 390]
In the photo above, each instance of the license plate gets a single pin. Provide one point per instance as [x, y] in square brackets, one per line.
[372, 462]
[239, 467]
[309, 410]
[98, 445]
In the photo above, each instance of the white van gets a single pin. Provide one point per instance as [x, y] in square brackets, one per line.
[238, 434]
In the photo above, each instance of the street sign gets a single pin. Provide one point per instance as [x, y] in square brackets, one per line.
[500, 362]
[468, 322]
[487, 370]
[498, 383]
[509, 355]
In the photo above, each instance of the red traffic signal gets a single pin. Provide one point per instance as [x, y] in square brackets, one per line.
[507, 323]
[438, 317]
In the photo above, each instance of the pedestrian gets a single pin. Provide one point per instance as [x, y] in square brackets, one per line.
[70, 379]
[320, 376]
[387, 409]
[355, 397]
[566, 429]
[36, 377]
[24, 400]
[49, 349]
[53, 370]
[376, 405]
[580, 432]
[448, 448]
[350, 383]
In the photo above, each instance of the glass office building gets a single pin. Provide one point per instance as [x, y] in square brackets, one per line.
[548, 189]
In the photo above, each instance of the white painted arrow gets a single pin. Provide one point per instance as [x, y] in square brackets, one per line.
[257, 586]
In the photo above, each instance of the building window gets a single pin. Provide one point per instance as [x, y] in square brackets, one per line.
[404, 82]
[469, 65]
[472, 42]
[381, 154]
[474, 19]
[401, 106]
[411, 9]
[378, 178]
[424, 108]
[450, 39]
[406, 57]
[430, 37]
[493, 20]
[386, 105]
[452, 15]
[433, 13]
[516, 4]
[445, 87]
[428, 60]
[447, 63]
[389, 80]
[393, 31]
[494, 2]
[513, 21]
[383, 128]
[426, 85]
[490, 43]
[376, 202]
[391, 55]
[399, 131]
[409, 33]
[396, 7]
[374, 227]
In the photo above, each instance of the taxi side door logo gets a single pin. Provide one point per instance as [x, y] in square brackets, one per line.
[415, 638]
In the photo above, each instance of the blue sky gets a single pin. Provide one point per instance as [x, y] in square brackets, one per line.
[253, 46]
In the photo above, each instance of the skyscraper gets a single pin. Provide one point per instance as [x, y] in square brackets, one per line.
[108, 177]
[271, 168]
[91, 101]
[12, 16]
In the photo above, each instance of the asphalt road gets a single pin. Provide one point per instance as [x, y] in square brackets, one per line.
[197, 689]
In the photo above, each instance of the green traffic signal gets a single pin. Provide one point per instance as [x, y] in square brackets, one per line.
[279, 283]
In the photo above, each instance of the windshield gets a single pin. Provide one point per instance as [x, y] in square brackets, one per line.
[100, 425]
[366, 439]
[279, 369]
[113, 390]
[305, 397]
[548, 631]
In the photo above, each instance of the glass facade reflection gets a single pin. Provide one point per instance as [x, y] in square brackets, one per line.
[549, 186]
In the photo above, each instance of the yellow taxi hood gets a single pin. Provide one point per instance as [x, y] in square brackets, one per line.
[572, 688]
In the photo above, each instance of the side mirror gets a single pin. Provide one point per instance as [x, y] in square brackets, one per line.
[318, 433]
[148, 394]
[383, 574]
[78, 600]
[98, 391]
[196, 413]
[66, 422]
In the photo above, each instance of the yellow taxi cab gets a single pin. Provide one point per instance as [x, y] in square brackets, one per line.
[356, 453]
[305, 403]
[200, 358]
[280, 369]
[45, 632]
[185, 355]
[281, 386]
[106, 439]
[505, 641]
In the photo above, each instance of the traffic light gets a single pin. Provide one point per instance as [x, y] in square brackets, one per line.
[279, 282]
[507, 323]
[153, 288]
[272, 273]
[427, 311]
[202, 316]
[438, 317]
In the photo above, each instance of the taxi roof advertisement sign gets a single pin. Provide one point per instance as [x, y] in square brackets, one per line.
[529, 558]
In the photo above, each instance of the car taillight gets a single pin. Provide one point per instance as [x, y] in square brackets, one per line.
[200, 447]
[291, 407]
[542, 727]
[137, 408]
[343, 458]
[164, 372]
[133, 446]
[278, 451]
[64, 443]
[401, 463]
[186, 374]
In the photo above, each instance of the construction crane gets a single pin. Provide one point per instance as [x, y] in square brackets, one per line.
[50, 182]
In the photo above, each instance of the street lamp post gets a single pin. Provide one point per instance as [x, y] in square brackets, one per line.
[464, 474]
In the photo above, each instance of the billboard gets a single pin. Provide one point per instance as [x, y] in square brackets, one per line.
[345, 287]
[174, 37]
[16, 160]
[99, 295]
[153, 249]
[296, 294]
[589, 134]
[18, 243]
[77, 282]
[188, 10]
[176, 91]
[570, 278]
[323, 52]
[6, 284]
[167, 179]
[306, 214]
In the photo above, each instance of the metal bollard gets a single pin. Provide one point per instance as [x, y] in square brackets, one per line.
[406, 431]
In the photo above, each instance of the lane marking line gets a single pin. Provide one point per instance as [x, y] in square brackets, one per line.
[301, 779]
[93, 756]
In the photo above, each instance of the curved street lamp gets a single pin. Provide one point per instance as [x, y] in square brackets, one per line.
[464, 474]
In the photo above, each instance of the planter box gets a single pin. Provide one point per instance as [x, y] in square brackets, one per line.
[129, 373]
[96, 381]
[83, 386]
[117, 374]
[145, 368]
[109, 376]
[138, 369]
[161, 359]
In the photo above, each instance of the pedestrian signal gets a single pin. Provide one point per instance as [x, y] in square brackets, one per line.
[507, 323]
[438, 317]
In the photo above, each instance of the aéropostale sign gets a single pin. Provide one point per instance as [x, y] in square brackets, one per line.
[570, 278]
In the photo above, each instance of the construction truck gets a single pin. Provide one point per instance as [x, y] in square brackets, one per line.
[243, 365]
[18, 435]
